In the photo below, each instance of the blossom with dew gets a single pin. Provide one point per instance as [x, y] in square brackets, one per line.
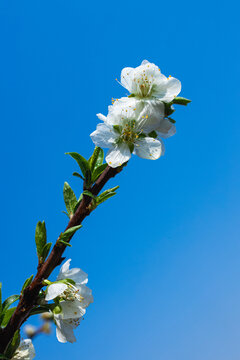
[126, 128]
[147, 81]
[25, 351]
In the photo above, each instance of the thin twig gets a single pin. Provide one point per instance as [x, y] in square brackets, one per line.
[30, 295]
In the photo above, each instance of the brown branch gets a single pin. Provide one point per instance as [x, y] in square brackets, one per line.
[30, 295]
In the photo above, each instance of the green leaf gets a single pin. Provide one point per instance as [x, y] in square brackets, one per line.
[40, 237]
[64, 212]
[181, 101]
[69, 232]
[78, 175]
[9, 301]
[3, 357]
[168, 109]
[82, 162]
[0, 298]
[64, 243]
[45, 251]
[96, 159]
[69, 198]
[88, 179]
[98, 171]
[27, 283]
[78, 203]
[106, 195]
[88, 193]
[14, 344]
[5, 317]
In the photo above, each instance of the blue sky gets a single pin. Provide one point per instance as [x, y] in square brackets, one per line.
[163, 255]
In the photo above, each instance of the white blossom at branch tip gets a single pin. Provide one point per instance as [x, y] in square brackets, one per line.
[147, 81]
[25, 351]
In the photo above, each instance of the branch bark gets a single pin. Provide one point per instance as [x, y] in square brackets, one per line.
[30, 295]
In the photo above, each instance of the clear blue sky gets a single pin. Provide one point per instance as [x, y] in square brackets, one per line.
[163, 255]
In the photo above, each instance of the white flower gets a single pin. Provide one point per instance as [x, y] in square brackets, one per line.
[25, 351]
[74, 299]
[126, 128]
[147, 81]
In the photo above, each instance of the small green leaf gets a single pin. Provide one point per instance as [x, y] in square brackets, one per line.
[88, 179]
[40, 237]
[181, 101]
[78, 175]
[106, 195]
[82, 162]
[98, 171]
[69, 198]
[69, 232]
[88, 193]
[64, 243]
[27, 283]
[0, 298]
[96, 159]
[45, 251]
[131, 95]
[14, 344]
[9, 301]
[64, 212]
[5, 317]
[78, 203]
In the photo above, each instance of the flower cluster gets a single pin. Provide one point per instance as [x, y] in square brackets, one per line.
[137, 123]
[71, 297]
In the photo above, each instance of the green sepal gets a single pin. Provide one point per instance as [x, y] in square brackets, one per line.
[69, 198]
[181, 101]
[131, 147]
[66, 281]
[118, 128]
[131, 95]
[172, 120]
[168, 109]
[57, 309]
[78, 175]
[69, 232]
[40, 237]
[27, 283]
[82, 162]
[6, 315]
[9, 301]
[14, 344]
[153, 134]
[98, 171]
[45, 251]
[64, 243]
[96, 159]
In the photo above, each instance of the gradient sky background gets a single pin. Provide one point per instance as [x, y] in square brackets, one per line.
[163, 255]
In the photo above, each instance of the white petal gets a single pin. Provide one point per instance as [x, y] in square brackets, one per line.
[118, 155]
[144, 62]
[64, 332]
[149, 148]
[166, 91]
[71, 309]
[101, 117]
[55, 290]
[104, 136]
[86, 293]
[166, 129]
[64, 269]
[126, 78]
[151, 116]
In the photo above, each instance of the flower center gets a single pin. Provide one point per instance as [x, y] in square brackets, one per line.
[71, 294]
[128, 134]
[144, 84]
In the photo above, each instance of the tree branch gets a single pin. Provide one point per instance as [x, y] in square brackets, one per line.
[30, 295]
